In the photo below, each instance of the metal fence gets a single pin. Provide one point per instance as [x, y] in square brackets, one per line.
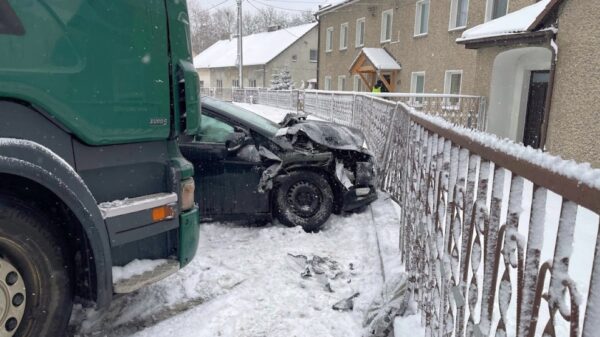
[339, 106]
[473, 253]
[473, 273]
[225, 94]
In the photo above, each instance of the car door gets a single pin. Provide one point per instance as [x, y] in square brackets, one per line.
[226, 182]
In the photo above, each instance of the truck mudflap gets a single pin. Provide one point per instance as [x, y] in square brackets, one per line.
[189, 235]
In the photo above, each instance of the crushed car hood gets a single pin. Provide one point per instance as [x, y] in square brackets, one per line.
[333, 136]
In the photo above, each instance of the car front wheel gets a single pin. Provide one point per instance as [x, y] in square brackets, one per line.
[305, 199]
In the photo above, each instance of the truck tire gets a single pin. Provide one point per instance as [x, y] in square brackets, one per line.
[35, 282]
[303, 198]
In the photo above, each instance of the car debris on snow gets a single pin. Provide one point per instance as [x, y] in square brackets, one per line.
[346, 304]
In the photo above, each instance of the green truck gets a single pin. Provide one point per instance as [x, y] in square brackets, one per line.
[93, 97]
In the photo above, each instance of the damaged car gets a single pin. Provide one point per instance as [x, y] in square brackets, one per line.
[299, 171]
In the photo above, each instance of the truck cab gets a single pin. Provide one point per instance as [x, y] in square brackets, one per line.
[93, 98]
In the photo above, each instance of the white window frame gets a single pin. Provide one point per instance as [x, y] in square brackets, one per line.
[489, 7]
[235, 83]
[357, 84]
[359, 36]
[454, 16]
[252, 83]
[310, 54]
[327, 83]
[447, 86]
[344, 29]
[342, 81]
[384, 14]
[413, 87]
[419, 17]
[329, 40]
[219, 84]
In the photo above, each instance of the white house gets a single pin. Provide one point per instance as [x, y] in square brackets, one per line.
[265, 54]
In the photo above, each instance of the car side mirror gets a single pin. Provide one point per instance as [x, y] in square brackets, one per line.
[235, 141]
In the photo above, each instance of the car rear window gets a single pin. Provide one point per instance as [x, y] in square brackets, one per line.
[244, 116]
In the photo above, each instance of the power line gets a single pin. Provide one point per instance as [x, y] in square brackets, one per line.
[318, 2]
[282, 8]
[214, 6]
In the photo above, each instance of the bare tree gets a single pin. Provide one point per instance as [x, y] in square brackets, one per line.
[210, 26]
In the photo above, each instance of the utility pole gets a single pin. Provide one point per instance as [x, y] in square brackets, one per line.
[240, 46]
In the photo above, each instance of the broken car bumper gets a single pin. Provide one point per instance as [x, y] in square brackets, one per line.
[357, 197]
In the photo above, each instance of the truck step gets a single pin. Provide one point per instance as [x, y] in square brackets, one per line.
[138, 281]
[131, 205]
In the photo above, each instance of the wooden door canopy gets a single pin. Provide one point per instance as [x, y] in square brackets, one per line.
[373, 64]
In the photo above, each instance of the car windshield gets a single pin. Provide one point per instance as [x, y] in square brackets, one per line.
[242, 115]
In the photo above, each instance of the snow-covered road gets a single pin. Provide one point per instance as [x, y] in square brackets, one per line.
[244, 281]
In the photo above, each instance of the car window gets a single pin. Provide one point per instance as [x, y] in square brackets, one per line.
[213, 130]
[246, 117]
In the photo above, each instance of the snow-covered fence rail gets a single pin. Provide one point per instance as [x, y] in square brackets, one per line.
[225, 94]
[285, 99]
[487, 232]
[465, 110]
[341, 107]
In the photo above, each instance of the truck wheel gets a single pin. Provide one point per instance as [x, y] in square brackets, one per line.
[36, 296]
[304, 199]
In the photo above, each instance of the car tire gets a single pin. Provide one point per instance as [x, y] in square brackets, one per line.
[305, 199]
[38, 266]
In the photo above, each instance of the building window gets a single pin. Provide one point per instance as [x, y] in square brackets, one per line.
[422, 17]
[344, 36]
[459, 11]
[294, 58]
[341, 83]
[417, 85]
[387, 18]
[235, 83]
[201, 84]
[314, 55]
[329, 40]
[452, 85]
[219, 83]
[251, 83]
[495, 9]
[327, 85]
[360, 32]
[357, 85]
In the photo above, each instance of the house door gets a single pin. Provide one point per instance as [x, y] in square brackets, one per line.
[536, 104]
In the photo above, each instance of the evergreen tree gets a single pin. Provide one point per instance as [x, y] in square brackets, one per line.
[285, 79]
[275, 81]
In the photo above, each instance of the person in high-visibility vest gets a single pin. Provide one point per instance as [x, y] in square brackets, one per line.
[377, 87]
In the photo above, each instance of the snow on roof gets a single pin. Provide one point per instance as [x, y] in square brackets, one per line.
[513, 23]
[259, 48]
[333, 4]
[380, 58]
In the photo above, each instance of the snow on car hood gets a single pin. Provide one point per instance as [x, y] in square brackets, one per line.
[333, 136]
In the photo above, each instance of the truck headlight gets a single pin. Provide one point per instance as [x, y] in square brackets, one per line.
[188, 187]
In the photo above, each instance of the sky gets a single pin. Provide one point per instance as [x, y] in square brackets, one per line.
[292, 6]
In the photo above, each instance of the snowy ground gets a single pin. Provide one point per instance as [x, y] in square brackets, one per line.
[244, 282]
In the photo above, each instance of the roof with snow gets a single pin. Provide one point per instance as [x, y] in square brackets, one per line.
[379, 58]
[334, 5]
[525, 20]
[259, 49]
